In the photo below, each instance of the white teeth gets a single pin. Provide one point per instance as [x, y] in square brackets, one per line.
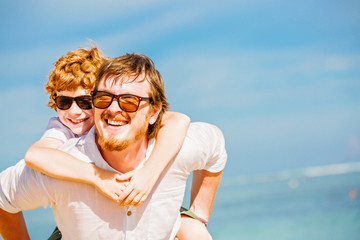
[77, 121]
[116, 123]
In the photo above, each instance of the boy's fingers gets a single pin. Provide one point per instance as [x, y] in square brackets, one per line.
[113, 196]
[125, 176]
[137, 199]
[141, 198]
[126, 192]
[124, 185]
[116, 197]
[129, 199]
[141, 201]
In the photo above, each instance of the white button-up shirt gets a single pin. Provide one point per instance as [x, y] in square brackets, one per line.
[56, 129]
[81, 212]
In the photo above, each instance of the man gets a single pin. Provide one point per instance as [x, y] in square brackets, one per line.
[129, 101]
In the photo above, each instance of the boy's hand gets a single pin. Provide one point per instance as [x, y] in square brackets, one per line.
[141, 183]
[108, 184]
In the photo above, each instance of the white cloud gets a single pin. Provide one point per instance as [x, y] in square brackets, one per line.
[340, 63]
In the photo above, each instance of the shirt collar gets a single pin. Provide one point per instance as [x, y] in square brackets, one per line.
[91, 150]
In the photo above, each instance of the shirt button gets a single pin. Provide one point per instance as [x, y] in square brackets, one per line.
[129, 213]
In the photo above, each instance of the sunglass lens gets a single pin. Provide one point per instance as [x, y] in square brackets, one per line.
[129, 103]
[84, 102]
[63, 102]
[102, 100]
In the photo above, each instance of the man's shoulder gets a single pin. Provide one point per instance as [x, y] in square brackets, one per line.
[205, 130]
[204, 147]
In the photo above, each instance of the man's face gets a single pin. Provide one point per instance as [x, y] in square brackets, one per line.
[78, 120]
[116, 128]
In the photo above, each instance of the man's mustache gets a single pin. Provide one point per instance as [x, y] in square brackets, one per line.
[114, 116]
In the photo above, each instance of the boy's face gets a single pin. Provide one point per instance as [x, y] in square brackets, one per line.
[78, 120]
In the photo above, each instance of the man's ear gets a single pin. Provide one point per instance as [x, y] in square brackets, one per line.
[156, 109]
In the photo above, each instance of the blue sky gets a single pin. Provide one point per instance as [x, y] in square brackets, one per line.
[280, 78]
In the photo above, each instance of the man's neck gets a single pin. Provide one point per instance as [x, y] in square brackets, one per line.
[127, 159]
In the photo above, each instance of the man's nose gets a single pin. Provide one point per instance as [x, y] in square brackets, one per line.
[114, 106]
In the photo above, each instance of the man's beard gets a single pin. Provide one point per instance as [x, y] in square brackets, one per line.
[113, 144]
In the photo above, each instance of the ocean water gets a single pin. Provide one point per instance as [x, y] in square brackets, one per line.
[319, 208]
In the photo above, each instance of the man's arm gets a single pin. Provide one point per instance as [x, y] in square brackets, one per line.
[203, 191]
[12, 226]
[21, 188]
[210, 144]
[212, 161]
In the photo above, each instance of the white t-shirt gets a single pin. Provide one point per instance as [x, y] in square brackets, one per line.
[56, 129]
[81, 212]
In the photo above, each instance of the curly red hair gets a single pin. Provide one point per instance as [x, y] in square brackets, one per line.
[75, 69]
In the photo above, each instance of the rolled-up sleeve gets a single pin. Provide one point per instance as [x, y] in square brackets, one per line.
[204, 148]
[22, 188]
[218, 156]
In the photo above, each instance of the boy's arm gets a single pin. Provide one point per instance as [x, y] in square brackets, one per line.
[44, 156]
[12, 226]
[168, 143]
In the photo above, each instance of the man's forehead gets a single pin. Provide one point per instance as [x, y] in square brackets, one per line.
[124, 82]
[123, 79]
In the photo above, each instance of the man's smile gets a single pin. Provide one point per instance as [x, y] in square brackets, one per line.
[116, 123]
[114, 120]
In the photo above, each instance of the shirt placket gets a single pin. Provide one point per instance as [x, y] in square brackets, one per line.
[130, 222]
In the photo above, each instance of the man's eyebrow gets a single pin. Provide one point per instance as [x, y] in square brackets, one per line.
[108, 91]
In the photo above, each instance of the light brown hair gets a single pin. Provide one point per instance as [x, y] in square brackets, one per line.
[134, 65]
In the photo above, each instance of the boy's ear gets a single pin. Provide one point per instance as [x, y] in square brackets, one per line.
[155, 113]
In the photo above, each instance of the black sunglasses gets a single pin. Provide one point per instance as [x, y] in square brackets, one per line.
[127, 102]
[65, 102]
